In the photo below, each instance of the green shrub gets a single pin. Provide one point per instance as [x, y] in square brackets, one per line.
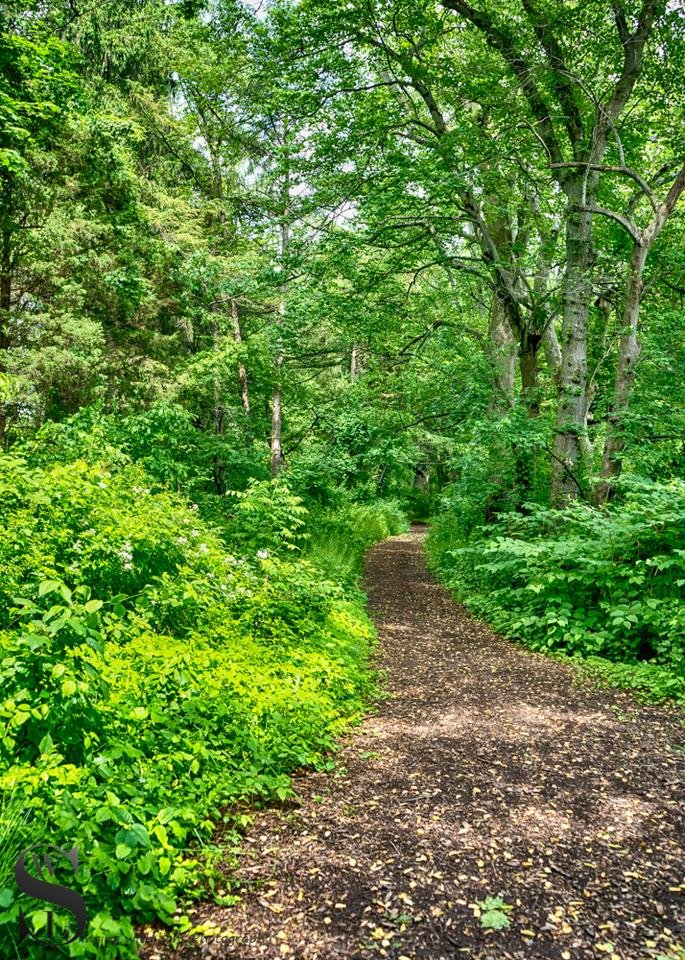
[340, 537]
[163, 441]
[267, 516]
[604, 583]
[647, 681]
[153, 680]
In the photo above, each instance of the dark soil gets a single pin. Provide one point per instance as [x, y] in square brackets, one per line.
[488, 772]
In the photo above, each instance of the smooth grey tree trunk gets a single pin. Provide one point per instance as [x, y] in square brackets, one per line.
[628, 353]
[629, 346]
[276, 405]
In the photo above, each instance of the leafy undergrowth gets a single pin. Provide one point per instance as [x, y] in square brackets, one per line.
[339, 537]
[604, 586]
[156, 673]
[648, 682]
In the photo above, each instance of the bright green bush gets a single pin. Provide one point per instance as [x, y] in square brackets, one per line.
[267, 516]
[339, 537]
[162, 440]
[604, 583]
[152, 679]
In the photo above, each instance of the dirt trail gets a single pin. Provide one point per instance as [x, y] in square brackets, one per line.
[488, 772]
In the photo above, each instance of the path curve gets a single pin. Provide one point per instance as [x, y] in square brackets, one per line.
[487, 772]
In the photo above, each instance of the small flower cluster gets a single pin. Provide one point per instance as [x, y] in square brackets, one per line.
[125, 554]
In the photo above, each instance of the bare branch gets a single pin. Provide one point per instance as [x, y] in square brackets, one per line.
[633, 47]
[625, 223]
[606, 168]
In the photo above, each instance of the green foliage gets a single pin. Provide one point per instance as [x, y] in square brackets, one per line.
[152, 680]
[267, 515]
[648, 682]
[600, 583]
[163, 440]
[499, 467]
[183, 252]
[339, 537]
[493, 913]
[18, 831]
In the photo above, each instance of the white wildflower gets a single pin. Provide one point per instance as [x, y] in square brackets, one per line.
[125, 554]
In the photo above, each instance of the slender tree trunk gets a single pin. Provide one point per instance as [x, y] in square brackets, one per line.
[353, 363]
[5, 305]
[276, 423]
[528, 365]
[276, 411]
[552, 350]
[218, 415]
[501, 348]
[218, 193]
[628, 353]
[605, 308]
[571, 425]
[629, 346]
[422, 479]
[242, 372]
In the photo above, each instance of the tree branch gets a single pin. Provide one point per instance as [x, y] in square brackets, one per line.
[606, 168]
[633, 47]
[500, 40]
[562, 87]
[625, 223]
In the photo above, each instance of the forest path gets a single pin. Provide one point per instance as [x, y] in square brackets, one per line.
[488, 771]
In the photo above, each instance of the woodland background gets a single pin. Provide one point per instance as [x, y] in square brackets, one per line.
[275, 278]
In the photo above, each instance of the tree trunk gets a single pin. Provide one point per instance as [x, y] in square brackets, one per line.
[550, 345]
[528, 365]
[629, 346]
[422, 479]
[218, 415]
[571, 424]
[353, 363]
[5, 305]
[276, 423]
[242, 372]
[502, 353]
[628, 353]
[276, 411]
